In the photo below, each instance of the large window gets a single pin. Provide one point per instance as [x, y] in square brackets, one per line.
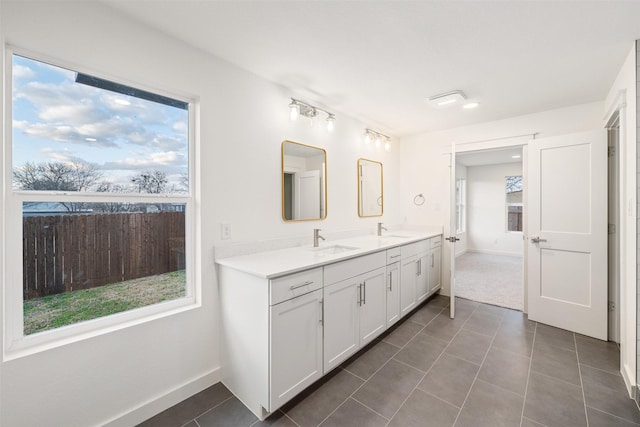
[101, 194]
[513, 191]
[460, 205]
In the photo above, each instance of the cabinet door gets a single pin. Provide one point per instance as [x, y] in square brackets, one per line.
[408, 280]
[393, 293]
[341, 308]
[434, 271]
[422, 280]
[295, 359]
[373, 308]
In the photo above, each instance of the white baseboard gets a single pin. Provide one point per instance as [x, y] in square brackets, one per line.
[158, 404]
[490, 252]
[628, 376]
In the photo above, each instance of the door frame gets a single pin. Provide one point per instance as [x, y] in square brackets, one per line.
[496, 144]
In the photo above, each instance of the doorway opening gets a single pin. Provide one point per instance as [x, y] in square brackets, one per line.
[490, 207]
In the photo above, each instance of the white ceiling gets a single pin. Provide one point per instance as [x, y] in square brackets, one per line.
[379, 60]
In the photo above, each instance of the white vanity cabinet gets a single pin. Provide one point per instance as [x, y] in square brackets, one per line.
[435, 255]
[288, 317]
[414, 276]
[393, 286]
[271, 335]
[354, 306]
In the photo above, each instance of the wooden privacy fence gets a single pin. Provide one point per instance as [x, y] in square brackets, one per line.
[69, 252]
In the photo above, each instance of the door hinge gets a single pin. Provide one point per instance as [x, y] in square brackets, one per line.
[611, 229]
[611, 151]
[612, 306]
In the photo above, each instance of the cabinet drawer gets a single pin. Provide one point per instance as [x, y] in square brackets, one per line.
[436, 242]
[415, 248]
[339, 271]
[293, 285]
[393, 255]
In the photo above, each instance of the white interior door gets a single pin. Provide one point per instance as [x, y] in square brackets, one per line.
[452, 233]
[307, 195]
[568, 232]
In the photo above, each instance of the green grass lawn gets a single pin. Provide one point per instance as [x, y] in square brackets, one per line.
[54, 311]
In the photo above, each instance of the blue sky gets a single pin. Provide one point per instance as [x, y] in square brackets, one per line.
[56, 119]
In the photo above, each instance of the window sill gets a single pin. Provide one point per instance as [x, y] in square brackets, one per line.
[48, 340]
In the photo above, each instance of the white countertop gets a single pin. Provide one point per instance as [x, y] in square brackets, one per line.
[291, 260]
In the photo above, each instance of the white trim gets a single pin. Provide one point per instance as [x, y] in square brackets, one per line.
[158, 404]
[15, 344]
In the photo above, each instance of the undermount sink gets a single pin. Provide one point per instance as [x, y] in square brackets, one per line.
[335, 249]
[397, 236]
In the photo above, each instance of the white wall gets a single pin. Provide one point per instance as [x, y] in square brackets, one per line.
[128, 375]
[486, 210]
[623, 91]
[425, 160]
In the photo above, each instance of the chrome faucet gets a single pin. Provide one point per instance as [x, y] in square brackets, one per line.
[380, 228]
[316, 236]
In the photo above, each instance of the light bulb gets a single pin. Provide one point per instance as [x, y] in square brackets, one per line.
[330, 122]
[378, 140]
[387, 146]
[367, 138]
[293, 110]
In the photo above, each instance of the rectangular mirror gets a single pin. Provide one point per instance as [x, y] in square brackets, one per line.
[370, 194]
[304, 182]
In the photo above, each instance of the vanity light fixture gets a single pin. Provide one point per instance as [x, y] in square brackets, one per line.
[301, 108]
[379, 138]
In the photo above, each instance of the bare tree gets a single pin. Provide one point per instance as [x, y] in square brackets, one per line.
[151, 181]
[73, 175]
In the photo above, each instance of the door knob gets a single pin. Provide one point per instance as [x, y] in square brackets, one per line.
[537, 240]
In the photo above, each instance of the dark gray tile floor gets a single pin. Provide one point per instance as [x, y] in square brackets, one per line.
[488, 367]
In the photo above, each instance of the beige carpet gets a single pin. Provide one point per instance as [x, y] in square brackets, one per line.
[491, 279]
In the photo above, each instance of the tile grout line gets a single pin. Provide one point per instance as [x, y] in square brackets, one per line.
[434, 363]
[584, 400]
[613, 415]
[481, 365]
[526, 386]
[380, 368]
[212, 408]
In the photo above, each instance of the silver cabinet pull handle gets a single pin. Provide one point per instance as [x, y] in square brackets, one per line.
[359, 294]
[307, 283]
[432, 265]
[321, 312]
[364, 298]
[394, 256]
[390, 281]
[537, 240]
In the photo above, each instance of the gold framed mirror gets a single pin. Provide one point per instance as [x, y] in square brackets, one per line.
[304, 182]
[370, 188]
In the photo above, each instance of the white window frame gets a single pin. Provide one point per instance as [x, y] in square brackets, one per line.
[461, 206]
[15, 343]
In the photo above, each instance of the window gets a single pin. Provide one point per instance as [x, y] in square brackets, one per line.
[460, 205]
[513, 187]
[101, 194]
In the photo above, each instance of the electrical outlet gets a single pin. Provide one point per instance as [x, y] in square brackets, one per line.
[225, 231]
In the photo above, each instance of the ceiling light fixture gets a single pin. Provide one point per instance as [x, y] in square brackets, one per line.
[379, 138]
[448, 99]
[301, 108]
[470, 105]
[516, 156]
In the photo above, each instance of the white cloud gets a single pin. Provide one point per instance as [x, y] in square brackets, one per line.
[21, 71]
[157, 160]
